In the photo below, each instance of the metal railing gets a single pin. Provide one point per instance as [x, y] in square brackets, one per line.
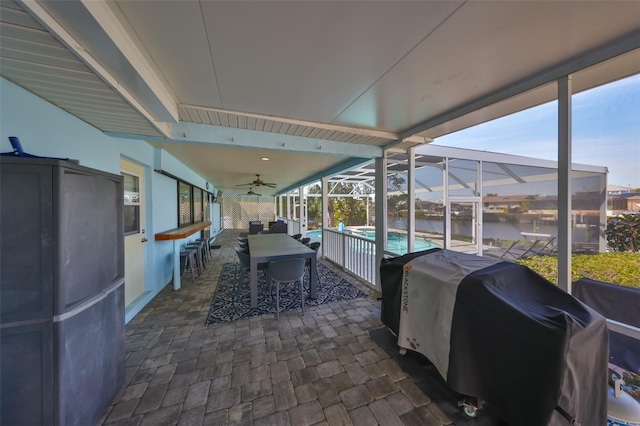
[354, 254]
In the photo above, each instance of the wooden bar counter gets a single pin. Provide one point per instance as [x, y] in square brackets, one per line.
[177, 235]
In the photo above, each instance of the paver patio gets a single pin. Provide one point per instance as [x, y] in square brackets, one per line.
[318, 368]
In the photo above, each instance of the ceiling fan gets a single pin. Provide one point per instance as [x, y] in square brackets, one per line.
[250, 192]
[258, 182]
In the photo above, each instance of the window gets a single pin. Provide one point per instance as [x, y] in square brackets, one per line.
[207, 207]
[185, 204]
[131, 204]
[193, 204]
[197, 205]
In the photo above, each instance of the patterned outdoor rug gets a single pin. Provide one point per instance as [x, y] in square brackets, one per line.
[227, 306]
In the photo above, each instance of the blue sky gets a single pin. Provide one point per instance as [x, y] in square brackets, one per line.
[606, 131]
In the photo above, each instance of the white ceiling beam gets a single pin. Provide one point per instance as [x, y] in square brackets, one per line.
[244, 138]
[48, 22]
[117, 28]
[297, 122]
[207, 134]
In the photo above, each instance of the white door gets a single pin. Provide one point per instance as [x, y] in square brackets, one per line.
[464, 225]
[134, 231]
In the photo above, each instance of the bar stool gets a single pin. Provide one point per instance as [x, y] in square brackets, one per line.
[199, 248]
[188, 260]
[207, 248]
[203, 253]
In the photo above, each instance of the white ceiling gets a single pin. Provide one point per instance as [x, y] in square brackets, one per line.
[310, 84]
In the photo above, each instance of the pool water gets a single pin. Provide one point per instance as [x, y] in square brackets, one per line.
[396, 243]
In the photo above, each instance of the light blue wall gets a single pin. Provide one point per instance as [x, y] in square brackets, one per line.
[46, 130]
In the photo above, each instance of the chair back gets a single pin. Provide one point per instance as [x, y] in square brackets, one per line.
[305, 240]
[255, 227]
[243, 257]
[278, 227]
[297, 236]
[287, 270]
[314, 246]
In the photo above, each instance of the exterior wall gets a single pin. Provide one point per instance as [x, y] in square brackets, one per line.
[46, 130]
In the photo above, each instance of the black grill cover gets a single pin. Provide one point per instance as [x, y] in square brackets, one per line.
[517, 341]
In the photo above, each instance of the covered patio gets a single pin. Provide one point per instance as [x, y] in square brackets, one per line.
[320, 367]
[191, 101]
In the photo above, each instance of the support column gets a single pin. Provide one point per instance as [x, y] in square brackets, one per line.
[602, 238]
[564, 183]
[381, 214]
[303, 213]
[325, 203]
[368, 215]
[446, 240]
[411, 200]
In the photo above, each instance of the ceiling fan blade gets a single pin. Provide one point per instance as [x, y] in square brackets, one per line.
[245, 184]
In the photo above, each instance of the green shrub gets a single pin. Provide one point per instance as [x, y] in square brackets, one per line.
[621, 268]
[623, 232]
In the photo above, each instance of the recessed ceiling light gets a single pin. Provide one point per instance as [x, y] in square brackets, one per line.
[264, 158]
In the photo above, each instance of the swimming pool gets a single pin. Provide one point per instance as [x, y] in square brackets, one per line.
[396, 242]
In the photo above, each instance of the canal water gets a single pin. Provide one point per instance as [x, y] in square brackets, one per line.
[497, 230]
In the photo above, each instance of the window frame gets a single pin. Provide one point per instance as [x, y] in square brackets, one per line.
[127, 202]
[204, 200]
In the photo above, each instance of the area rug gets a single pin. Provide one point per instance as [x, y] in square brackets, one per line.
[229, 305]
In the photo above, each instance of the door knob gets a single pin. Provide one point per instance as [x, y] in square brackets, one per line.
[144, 240]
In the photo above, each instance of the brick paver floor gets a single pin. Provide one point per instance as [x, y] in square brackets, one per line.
[320, 368]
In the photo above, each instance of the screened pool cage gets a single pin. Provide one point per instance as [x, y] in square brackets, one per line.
[472, 201]
[490, 204]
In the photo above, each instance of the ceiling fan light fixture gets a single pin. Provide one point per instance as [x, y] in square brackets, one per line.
[264, 158]
[258, 182]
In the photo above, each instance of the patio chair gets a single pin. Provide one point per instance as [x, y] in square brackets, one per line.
[528, 250]
[500, 253]
[547, 249]
[245, 266]
[286, 271]
[305, 240]
[278, 227]
[297, 236]
[517, 252]
[255, 227]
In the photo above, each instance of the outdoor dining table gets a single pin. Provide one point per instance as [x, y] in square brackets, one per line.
[265, 248]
